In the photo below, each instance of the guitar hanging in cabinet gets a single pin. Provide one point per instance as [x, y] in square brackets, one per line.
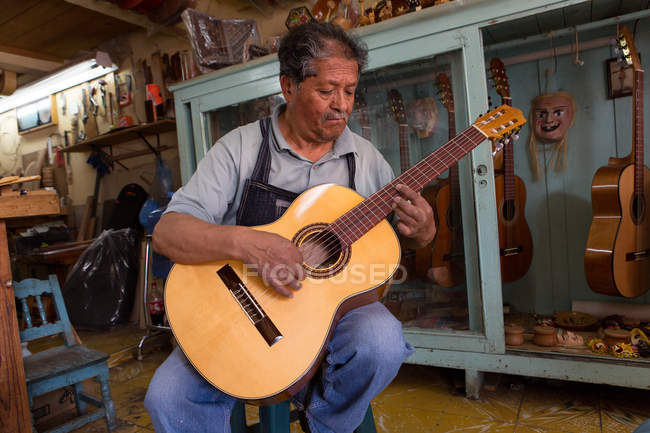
[515, 241]
[617, 256]
[448, 256]
[399, 114]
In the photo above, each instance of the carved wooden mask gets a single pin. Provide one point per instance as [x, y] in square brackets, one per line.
[553, 115]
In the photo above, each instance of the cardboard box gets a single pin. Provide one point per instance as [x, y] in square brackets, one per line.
[54, 407]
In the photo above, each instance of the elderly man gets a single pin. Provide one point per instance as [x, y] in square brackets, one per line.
[249, 177]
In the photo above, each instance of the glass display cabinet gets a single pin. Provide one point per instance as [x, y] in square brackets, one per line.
[426, 81]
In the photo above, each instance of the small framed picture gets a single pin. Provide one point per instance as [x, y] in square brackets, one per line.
[620, 79]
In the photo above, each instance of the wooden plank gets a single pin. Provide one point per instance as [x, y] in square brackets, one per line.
[39, 202]
[11, 8]
[14, 410]
[44, 18]
[123, 135]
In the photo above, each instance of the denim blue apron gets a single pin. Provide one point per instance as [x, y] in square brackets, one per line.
[262, 203]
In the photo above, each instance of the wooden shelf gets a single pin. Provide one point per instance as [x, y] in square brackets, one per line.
[123, 135]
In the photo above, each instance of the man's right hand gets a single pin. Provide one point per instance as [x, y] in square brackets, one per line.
[276, 259]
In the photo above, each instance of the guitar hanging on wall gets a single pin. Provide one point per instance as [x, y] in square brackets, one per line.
[515, 241]
[448, 256]
[617, 256]
[256, 345]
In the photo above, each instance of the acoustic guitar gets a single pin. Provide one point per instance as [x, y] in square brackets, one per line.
[515, 241]
[259, 346]
[617, 256]
[448, 257]
[408, 269]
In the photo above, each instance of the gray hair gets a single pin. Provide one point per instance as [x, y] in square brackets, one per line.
[312, 41]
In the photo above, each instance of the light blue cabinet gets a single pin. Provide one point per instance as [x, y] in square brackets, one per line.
[406, 52]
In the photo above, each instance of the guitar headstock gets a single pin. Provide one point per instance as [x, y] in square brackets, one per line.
[501, 123]
[361, 108]
[446, 95]
[625, 43]
[499, 77]
[397, 106]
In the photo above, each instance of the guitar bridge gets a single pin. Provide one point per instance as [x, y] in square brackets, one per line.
[249, 304]
[511, 251]
[637, 255]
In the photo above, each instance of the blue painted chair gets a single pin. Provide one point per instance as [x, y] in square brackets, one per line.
[65, 365]
[276, 419]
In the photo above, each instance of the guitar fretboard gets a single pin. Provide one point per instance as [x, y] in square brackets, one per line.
[638, 132]
[404, 154]
[367, 214]
[508, 163]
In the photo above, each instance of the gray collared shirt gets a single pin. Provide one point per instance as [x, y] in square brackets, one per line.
[214, 192]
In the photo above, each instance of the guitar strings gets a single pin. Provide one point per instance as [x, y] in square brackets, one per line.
[446, 157]
[461, 138]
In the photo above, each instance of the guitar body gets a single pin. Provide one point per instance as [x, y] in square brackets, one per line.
[515, 241]
[448, 260]
[222, 343]
[613, 234]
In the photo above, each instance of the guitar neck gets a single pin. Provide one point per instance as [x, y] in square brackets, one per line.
[363, 217]
[454, 186]
[638, 132]
[508, 162]
[404, 154]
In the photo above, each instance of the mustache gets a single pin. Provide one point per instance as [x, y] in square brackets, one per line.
[335, 116]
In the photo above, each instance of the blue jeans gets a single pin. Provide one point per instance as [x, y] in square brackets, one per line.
[363, 357]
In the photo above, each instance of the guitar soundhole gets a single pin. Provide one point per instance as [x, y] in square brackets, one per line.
[637, 209]
[508, 210]
[452, 222]
[321, 251]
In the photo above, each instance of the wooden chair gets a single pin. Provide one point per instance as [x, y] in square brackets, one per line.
[277, 417]
[69, 364]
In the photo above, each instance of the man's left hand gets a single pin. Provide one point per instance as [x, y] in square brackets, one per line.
[415, 215]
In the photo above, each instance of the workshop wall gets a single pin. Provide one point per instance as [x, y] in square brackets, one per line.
[127, 52]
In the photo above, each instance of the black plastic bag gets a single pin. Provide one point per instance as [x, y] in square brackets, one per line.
[99, 291]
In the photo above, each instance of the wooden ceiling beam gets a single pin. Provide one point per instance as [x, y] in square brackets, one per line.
[113, 10]
[25, 61]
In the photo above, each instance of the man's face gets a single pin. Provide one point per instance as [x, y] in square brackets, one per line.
[321, 105]
[553, 116]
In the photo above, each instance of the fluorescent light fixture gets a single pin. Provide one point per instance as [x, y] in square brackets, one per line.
[57, 82]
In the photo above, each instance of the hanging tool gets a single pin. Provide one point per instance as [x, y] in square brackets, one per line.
[102, 90]
[125, 91]
[83, 102]
[91, 99]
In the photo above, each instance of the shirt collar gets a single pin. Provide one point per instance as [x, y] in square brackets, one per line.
[342, 146]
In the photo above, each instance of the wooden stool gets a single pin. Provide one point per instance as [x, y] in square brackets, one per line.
[277, 417]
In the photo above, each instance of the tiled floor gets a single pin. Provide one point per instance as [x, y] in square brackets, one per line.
[420, 400]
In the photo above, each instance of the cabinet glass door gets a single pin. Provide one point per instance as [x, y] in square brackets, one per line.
[407, 111]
